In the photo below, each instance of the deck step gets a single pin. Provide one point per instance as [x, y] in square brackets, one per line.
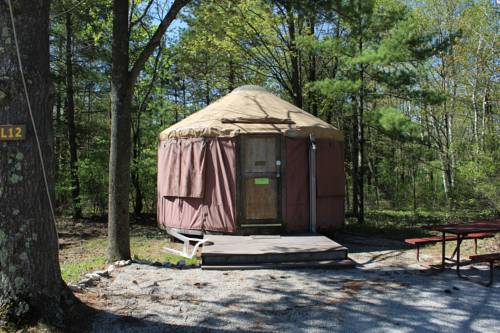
[259, 250]
[234, 259]
[330, 264]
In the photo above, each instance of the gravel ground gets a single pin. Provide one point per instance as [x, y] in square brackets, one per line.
[386, 292]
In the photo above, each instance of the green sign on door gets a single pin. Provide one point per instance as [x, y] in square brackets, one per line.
[261, 181]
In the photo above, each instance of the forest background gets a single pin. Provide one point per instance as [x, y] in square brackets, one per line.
[413, 85]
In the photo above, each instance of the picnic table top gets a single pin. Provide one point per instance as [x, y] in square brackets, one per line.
[491, 225]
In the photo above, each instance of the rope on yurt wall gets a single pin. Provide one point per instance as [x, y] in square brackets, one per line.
[39, 147]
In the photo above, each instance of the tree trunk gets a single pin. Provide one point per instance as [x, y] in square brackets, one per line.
[122, 85]
[448, 159]
[354, 158]
[360, 158]
[475, 119]
[57, 139]
[137, 148]
[373, 179]
[485, 107]
[70, 118]
[294, 55]
[358, 135]
[136, 156]
[394, 164]
[184, 99]
[120, 149]
[414, 186]
[138, 201]
[30, 279]
[312, 68]
[231, 75]
[347, 194]
[207, 91]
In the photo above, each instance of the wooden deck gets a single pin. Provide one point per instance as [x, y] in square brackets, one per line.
[240, 252]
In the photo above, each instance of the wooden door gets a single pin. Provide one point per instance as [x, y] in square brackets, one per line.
[260, 181]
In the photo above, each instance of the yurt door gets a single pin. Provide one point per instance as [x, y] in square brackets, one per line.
[260, 195]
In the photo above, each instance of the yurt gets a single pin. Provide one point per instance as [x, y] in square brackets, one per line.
[251, 163]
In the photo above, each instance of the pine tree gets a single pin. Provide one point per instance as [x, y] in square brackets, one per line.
[379, 55]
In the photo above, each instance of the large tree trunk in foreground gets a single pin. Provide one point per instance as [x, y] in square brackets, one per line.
[122, 86]
[30, 280]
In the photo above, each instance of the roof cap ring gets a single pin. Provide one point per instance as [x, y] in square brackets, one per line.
[250, 87]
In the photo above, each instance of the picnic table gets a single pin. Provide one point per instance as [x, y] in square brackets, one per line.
[461, 230]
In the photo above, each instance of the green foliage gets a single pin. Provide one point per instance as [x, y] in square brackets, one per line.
[479, 182]
[426, 73]
[393, 123]
[93, 177]
[335, 88]
[429, 97]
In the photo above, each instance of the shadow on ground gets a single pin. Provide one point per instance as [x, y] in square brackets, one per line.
[374, 297]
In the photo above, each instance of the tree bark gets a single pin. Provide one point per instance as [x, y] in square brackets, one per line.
[58, 125]
[120, 149]
[70, 118]
[358, 141]
[448, 160]
[360, 157]
[31, 287]
[137, 149]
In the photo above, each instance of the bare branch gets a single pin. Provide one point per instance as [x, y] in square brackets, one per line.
[139, 20]
[155, 40]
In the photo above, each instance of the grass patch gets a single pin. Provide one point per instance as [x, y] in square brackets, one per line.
[74, 271]
[82, 256]
[400, 224]
[151, 249]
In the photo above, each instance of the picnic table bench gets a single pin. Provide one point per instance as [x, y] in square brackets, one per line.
[435, 239]
[490, 258]
[461, 231]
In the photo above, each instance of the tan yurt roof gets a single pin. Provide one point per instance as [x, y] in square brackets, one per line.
[251, 110]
